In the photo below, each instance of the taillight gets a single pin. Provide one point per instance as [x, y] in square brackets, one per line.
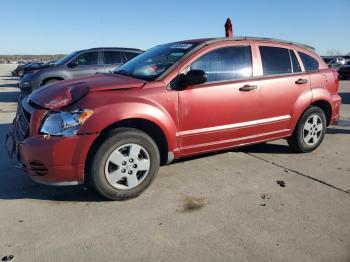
[336, 78]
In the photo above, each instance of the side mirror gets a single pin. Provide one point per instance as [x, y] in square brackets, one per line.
[196, 77]
[193, 77]
[72, 64]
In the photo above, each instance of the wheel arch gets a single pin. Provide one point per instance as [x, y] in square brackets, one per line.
[144, 125]
[45, 80]
[326, 108]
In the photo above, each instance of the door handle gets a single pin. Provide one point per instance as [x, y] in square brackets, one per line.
[247, 88]
[301, 81]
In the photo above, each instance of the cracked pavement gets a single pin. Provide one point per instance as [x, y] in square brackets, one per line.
[206, 208]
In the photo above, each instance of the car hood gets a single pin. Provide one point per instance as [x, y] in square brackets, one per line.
[64, 93]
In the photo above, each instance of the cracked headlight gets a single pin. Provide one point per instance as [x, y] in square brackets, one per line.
[64, 123]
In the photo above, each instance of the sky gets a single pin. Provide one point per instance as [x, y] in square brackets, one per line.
[62, 26]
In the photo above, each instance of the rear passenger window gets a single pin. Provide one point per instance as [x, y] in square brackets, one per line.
[130, 55]
[275, 60]
[310, 63]
[112, 57]
[228, 63]
[295, 63]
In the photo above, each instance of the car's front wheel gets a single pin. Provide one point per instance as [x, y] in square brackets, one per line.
[310, 130]
[125, 164]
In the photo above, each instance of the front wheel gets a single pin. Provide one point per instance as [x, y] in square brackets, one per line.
[125, 164]
[310, 130]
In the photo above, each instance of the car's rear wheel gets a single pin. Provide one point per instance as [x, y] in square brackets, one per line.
[310, 131]
[125, 164]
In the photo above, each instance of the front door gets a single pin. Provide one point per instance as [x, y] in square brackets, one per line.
[224, 111]
[86, 64]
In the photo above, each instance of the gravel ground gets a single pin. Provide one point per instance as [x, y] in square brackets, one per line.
[218, 207]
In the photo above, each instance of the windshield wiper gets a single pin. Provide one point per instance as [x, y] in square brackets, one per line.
[122, 72]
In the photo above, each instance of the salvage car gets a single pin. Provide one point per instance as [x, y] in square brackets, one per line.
[77, 64]
[113, 131]
[22, 68]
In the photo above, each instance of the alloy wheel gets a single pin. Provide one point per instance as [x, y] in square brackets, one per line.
[312, 130]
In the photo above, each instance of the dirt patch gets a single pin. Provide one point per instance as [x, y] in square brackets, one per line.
[191, 203]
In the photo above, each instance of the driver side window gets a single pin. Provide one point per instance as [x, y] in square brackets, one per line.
[227, 63]
[89, 58]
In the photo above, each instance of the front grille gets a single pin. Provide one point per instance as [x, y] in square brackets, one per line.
[21, 123]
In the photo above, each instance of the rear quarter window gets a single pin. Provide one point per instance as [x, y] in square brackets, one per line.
[310, 63]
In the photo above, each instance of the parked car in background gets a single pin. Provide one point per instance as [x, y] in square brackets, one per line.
[22, 68]
[344, 71]
[327, 59]
[174, 100]
[77, 64]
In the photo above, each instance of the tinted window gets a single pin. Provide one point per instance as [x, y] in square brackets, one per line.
[89, 58]
[226, 63]
[130, 55]
[275, 60]
[112, 57]
[66, 58]
[310, 64]
[295, 63]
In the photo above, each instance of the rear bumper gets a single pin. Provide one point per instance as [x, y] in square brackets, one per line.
[53, 160]
[336, 103]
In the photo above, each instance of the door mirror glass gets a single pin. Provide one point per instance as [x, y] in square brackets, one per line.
[193, 77]
[196, 77]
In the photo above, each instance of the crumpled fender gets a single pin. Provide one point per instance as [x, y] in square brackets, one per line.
[107, 115]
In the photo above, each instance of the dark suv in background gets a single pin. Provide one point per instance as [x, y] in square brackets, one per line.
[77, 64]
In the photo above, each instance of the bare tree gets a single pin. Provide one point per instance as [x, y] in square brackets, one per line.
[333, 52]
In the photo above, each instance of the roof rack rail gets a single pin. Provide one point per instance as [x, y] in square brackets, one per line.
[238, 38]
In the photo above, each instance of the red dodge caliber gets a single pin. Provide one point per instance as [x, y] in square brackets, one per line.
[174, 100]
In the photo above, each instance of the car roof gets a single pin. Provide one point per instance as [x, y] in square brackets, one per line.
[113, 48]
[207, 41]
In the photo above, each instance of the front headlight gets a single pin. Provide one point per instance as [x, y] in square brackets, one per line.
[64, 123]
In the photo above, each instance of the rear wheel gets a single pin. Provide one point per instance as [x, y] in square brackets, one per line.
[310, 130]
[125, 164]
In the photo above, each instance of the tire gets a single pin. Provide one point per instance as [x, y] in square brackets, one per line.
[112, 172]
[310, 131]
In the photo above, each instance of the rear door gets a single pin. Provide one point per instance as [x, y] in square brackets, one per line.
[87, 63]
[112, 59]
[282, 84]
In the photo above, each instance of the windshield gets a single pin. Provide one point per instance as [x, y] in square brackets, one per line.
[152, 63]
[66, 58]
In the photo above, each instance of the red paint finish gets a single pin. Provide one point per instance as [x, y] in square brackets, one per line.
[201, 118]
